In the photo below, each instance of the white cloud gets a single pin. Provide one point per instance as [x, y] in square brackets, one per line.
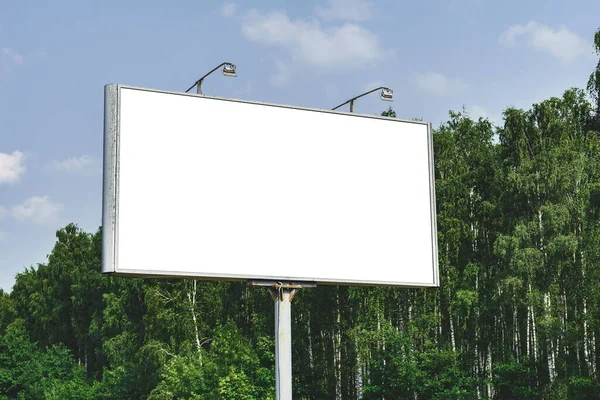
[348, 45]
[228, 9]
[349, 10]
[83, 165]
[4, 212]
[560, 43]
[477, 112]
[11, 167]
[244, 90]
[39, 210]
[438, 84]
[281, 76]
[10, 56]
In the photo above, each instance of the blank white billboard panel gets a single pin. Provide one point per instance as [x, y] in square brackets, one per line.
[221, 189]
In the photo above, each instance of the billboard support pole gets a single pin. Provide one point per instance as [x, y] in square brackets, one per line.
[282, 297]
[282, 294]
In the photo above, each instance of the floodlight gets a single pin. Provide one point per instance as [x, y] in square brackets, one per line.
[229, 70]
[386, 94]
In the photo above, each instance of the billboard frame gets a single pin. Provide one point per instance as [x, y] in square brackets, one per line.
[110, 200]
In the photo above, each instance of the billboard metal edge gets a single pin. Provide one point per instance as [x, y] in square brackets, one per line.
[109, 178]
[112, 95]
[434, 236]
[233, 277]
[293, 107]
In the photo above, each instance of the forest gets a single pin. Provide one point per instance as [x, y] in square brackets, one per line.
[516, 316]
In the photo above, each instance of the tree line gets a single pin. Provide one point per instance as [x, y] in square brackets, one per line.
[516, 316]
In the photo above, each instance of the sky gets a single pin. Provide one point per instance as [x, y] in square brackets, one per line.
[436, 55]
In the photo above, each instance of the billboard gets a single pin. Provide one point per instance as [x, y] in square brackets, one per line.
[213, 188]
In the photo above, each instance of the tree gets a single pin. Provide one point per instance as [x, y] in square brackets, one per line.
[593, 85]
[7, 311]
[27, 371]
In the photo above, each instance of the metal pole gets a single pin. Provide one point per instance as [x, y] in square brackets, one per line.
[230, 72]
[282, 294]
[387, 97]
[282, 297]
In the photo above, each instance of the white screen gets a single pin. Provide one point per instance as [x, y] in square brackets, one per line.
[226, 189]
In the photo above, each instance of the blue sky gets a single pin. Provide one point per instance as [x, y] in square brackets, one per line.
[437, 55]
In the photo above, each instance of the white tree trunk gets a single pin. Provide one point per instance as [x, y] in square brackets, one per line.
[516, 339]
[358, 377]
[541, 228]
[533, 331]
[192, 300]
[337, 348]
[565, 320]
[311, 362]
[488, 371]
[452, 338]
[550, 358]
[528, 332]
[586, 347]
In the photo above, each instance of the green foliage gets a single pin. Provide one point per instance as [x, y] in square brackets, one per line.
[593, 85]
[7, 311]
[241, 372]
[582, 388]
[236, 385]
[443, 377]
[29, 372]
[389, 113]
[181, 378]
[231, 368]
[516, 381]
[20, 366]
